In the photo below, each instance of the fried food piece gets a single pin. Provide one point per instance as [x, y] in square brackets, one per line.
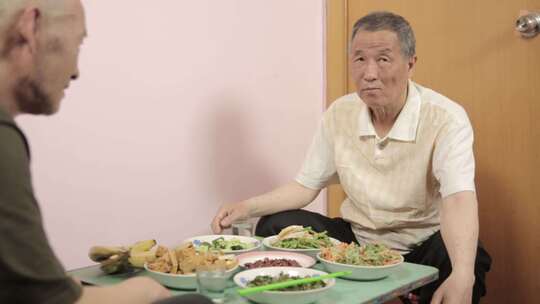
[174, 261]
[185, 260]
[161, 251]
[160, 265]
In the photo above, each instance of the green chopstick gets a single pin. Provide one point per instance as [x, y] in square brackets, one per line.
[250, 290]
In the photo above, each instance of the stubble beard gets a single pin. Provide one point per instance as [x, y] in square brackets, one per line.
[31, 98]
[29, 93]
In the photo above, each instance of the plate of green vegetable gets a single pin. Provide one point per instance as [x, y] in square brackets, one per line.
[300, 240]
[298, 294]
[366, 262]
[225, 243]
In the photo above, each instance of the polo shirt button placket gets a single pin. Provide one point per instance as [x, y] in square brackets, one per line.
[379, 149]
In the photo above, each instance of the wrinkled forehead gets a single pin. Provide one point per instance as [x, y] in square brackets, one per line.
[381, 39]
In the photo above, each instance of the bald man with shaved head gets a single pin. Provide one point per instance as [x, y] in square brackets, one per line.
[39, 49]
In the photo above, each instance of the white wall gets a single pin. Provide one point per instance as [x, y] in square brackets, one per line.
[181, 106]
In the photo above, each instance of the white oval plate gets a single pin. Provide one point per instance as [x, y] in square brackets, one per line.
[197, 240]
[279, 297]
[360, 272]
[180, 281]
[268, 241]
[304, 260]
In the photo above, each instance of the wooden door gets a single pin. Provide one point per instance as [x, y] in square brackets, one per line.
[469, 51]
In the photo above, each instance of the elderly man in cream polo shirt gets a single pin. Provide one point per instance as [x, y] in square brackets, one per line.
[404, 156]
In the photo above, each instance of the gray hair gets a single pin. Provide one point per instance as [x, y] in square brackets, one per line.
[378, 21]
[9, 9]
[49, 8]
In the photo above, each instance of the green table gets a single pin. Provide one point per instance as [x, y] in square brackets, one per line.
[406, 278]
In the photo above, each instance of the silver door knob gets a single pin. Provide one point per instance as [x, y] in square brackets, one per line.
[528, 25]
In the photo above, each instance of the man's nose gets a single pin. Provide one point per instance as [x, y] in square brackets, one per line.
[75, 75]
[371, 72]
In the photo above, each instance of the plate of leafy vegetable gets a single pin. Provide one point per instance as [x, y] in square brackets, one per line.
[365, 261]
[297, 294]
[300, 240]
[225, 243]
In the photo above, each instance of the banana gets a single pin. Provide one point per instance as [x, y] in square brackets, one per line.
[116, 263]
[142, 246]
[116, 259]
[138, 259]
[101, 253]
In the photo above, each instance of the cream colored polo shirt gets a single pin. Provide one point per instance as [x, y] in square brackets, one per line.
[395, 184]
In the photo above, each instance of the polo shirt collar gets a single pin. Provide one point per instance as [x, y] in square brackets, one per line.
[404, 129]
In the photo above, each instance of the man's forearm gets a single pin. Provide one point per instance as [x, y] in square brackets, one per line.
[459, 229]
[288, 197]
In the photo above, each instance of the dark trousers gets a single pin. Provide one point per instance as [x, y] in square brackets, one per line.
[432, 252]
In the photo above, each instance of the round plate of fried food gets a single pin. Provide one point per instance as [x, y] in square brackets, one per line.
[176, 268]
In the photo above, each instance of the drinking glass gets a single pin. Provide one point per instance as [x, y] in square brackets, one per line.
[243, 228]
[212, 282]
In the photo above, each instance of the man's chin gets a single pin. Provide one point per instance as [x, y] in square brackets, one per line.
[52, 107]
[32, 99]
[50, 112]
[371, 99]
[37, 109]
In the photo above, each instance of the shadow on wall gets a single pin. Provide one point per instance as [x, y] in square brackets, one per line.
[240, 170]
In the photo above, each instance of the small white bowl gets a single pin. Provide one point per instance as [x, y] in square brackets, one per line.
[365, 273]
[268, 241]
[209, 238]
[280, 297]
[180, 281]
[305, 261]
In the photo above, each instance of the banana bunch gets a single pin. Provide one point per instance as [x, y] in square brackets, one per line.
[118, 259]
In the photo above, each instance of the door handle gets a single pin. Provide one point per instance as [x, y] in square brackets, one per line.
[528, 25]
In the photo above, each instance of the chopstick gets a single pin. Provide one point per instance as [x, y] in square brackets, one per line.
[250, 290]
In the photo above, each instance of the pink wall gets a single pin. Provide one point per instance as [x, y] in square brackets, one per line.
[181, 105]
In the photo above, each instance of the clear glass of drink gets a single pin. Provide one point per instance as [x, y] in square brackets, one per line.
[242, 227]
[212, 282]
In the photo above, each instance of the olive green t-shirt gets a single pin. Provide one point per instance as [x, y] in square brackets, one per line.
[29, 270]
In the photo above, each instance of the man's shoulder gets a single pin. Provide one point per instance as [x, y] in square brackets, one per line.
[436, 103]
[351, 98]
[343, 113]
[11, 136]
[13, 141]
[346, 103]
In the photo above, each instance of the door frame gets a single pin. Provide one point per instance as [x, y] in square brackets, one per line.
[337, 77]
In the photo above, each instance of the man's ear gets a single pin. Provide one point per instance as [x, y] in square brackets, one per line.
[26, 27]
[411, 64]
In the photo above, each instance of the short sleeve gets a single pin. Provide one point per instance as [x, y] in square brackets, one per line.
[453, 159]
[319, 165]
[25, 255]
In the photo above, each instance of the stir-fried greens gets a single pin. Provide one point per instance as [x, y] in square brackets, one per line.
[306, 238]
[362, 255]
[266, 279]
[223, 244]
